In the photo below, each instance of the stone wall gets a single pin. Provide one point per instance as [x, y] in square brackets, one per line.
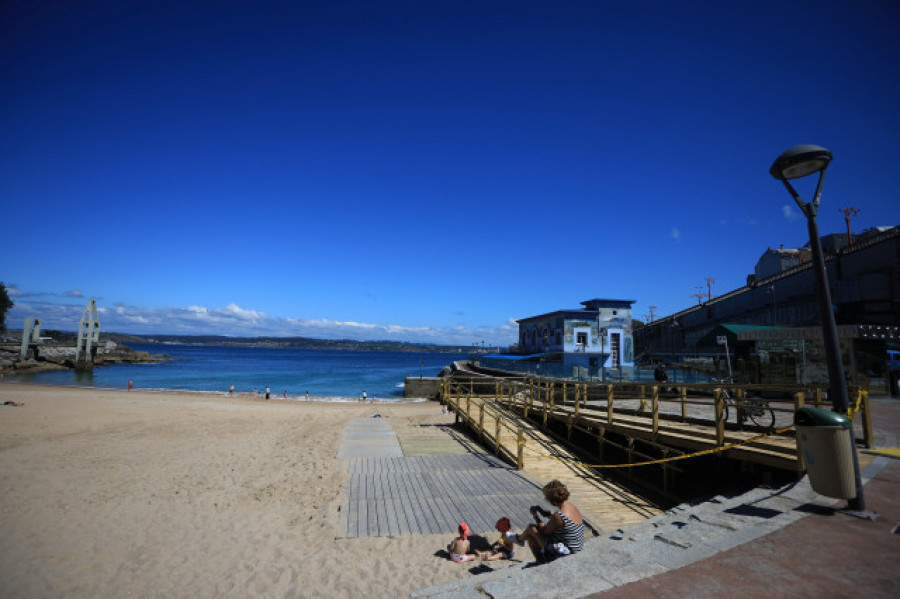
[428, 387]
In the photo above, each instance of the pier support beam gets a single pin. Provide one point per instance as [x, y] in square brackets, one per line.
[31, 333]
[88, 337]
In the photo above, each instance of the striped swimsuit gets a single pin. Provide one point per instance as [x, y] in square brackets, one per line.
[571, 534]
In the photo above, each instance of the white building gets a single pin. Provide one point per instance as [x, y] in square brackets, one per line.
[598, 335]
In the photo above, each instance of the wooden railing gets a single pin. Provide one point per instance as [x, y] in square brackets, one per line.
[461, 398]
[723, 407]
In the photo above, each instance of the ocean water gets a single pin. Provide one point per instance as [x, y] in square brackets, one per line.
[325, 374]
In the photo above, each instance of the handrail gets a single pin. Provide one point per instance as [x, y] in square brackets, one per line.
[534, 395]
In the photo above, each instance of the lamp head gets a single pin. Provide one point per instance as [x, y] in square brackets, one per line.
[800, 161]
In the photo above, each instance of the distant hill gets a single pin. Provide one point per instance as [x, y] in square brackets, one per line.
[68, 338]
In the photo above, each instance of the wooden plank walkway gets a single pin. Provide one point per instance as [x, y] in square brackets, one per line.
[432, 494]
[439, 481]
[604, 503]
[390, 492]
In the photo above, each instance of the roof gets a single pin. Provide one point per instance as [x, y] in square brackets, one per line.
[593, 304]
[591, 307]
[573, 313]
[731, 332]
[737, 328]
[514, 356]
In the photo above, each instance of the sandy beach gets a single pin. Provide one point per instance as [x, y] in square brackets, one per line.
[109, 493]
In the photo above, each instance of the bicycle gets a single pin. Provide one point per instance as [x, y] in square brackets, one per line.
[757, 410]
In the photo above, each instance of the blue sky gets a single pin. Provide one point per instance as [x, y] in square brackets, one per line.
[422, 171]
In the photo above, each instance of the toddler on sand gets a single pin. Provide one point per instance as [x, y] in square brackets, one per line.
[459, 547]
[502, 547]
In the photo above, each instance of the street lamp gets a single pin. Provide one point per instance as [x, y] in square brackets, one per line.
[795, 163]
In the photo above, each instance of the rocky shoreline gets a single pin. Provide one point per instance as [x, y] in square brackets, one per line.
[41, 358]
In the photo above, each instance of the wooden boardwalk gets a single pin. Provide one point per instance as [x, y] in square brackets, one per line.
[432, 494]
[435, 482]
[648, 421]
[428, 484]
[672, 431]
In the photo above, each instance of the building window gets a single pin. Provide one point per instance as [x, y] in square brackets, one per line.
[581, 339]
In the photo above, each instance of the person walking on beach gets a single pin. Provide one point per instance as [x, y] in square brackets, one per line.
[307, 396]
[130, 384]
[268, 393]
[364, 396]
[231, 390]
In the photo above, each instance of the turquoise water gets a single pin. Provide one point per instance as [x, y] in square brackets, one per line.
[331, 374]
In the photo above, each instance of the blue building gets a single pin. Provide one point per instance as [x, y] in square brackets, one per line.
[594, 337]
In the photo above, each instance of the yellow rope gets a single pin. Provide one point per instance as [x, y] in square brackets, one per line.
[857, 403]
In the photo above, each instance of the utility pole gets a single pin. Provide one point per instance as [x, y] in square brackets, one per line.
[699, 295]
[709, 283]
[651, 315]
[849, 212]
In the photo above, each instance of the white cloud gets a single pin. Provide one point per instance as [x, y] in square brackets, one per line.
[789, 213]
[675, 234]
[234, 321]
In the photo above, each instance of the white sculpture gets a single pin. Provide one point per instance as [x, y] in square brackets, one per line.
[88, 334]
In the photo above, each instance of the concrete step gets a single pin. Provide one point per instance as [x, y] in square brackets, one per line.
[683, 535]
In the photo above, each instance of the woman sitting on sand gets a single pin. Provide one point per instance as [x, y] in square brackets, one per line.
[562, 534]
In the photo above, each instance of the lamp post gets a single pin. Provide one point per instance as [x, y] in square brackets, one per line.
[801, 161]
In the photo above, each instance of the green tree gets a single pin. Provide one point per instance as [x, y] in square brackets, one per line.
[5, 305]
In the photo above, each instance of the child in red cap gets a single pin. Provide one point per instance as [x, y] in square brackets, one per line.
[459, 547]
[502, 547]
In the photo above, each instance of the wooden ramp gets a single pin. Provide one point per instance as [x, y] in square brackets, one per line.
[606, 504]
[775, 450]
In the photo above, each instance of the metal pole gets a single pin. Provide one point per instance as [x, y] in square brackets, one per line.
[602, 357]
[838, 384]
[728, 360]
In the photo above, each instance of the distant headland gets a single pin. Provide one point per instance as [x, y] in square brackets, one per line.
[290, 342]
[68, 338]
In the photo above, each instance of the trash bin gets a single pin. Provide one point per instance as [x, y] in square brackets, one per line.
[824, 441]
